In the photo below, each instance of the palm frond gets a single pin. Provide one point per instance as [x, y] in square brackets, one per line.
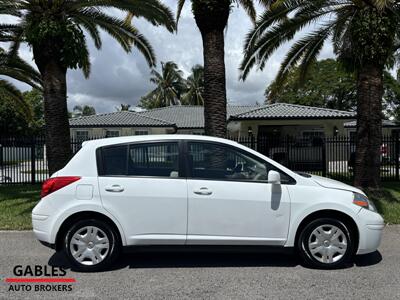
[181, 3]
[248, 6]
[10, 91]
[153, 11]
[275, 31]
[125, 34]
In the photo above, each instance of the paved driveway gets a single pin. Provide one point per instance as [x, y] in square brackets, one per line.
[212, 276]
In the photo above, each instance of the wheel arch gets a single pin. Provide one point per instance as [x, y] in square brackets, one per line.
[81, 216]
[329, 213]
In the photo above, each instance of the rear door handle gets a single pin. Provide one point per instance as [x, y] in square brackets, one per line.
[114, 188]
[203, 191]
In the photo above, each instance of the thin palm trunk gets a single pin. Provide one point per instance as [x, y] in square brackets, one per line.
[369, 126]
[214, 83]
[56, 115]
[211, 23]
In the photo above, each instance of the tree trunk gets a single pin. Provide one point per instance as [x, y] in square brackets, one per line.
[58, 145]
[211, 17]
[369, 126]
[214, 84]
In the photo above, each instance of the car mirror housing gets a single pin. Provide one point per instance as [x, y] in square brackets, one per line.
[274, 177]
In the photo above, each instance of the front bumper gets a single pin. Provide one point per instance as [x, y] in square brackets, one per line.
[371, 230]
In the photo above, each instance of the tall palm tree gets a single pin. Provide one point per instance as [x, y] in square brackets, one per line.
[195, 87]
[54, 29]
[211, 18]
[365, 35]
[169, 87]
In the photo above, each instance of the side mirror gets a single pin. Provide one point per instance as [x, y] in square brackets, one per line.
[274, 177]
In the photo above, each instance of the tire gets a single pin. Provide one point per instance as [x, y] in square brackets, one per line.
[326, 243]
[91, 245]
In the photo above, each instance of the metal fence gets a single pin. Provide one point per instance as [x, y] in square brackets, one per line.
[23, 160]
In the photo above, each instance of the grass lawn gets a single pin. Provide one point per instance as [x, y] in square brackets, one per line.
[388, 202]
[17, 202]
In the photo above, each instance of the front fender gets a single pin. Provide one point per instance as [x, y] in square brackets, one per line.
[319, 199]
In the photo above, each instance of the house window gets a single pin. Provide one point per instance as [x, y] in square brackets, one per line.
[141, 132]
[82, 135]
[112, 133]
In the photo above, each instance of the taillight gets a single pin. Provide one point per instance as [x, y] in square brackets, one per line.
[54, 184]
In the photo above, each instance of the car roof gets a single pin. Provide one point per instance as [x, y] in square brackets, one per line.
[150, 138]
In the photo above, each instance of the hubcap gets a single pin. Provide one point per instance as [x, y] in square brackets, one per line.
[327, 244]
[89, 245]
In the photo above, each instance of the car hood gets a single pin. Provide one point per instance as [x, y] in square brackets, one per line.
[334, 184]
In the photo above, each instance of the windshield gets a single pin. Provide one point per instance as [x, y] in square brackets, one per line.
[304, 174]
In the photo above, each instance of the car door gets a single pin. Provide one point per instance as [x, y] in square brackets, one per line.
[230, 200]
[142, 187]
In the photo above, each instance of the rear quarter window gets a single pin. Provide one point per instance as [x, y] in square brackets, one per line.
[114, 160]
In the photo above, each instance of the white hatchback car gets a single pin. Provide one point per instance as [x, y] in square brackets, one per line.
[188, 191]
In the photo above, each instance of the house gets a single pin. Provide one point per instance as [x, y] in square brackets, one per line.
[388, 128]
[274, 120]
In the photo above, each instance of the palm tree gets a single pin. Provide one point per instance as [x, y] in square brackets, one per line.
[195, 87]
[55, 32]
[16, 68]
[365, 36]
[169, 87]
[211, 18]
[82, 111]
[123, 107]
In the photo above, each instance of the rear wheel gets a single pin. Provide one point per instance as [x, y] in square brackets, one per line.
[326, 243]
[91, 245]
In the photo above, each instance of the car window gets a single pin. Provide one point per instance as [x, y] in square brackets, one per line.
[158, 159]
[216, 161]
[114, 160]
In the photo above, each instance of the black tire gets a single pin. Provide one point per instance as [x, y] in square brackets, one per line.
[113, 252]
[305, 252]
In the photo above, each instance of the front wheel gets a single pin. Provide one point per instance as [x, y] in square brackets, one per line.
[326, 243]
[91, 245]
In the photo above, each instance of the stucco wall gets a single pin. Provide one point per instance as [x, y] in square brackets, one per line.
[123, 131]
[290, 127]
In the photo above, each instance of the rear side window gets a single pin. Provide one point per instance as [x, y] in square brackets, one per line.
[158, 160]
[114, 160]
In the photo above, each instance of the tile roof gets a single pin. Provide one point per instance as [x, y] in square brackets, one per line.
[187, 116]
[119, 119]
[293, 111]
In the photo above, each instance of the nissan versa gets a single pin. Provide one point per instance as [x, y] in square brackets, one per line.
[194, 190]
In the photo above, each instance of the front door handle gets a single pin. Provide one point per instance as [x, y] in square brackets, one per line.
[114, 188]
[203, 191]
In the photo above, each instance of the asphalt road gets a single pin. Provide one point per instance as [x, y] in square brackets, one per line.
[211, 276]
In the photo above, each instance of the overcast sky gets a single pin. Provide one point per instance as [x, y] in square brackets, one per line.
[118, 77]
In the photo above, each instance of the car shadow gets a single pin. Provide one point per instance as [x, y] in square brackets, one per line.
[142, 260]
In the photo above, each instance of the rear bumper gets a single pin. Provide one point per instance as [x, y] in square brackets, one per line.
[371, 231]
[41, 228]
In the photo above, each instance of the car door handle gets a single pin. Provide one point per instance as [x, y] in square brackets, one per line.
[203, 191]
[114, 188]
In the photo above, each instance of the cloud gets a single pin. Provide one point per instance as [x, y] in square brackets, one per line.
[118, 77]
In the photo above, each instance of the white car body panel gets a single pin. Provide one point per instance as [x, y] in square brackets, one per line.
[148, 207]
[164, 211]
[238, 211]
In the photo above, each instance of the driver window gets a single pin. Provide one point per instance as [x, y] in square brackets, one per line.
[215, 161]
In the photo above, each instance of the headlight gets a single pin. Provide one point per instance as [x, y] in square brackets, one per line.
[363, 201]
